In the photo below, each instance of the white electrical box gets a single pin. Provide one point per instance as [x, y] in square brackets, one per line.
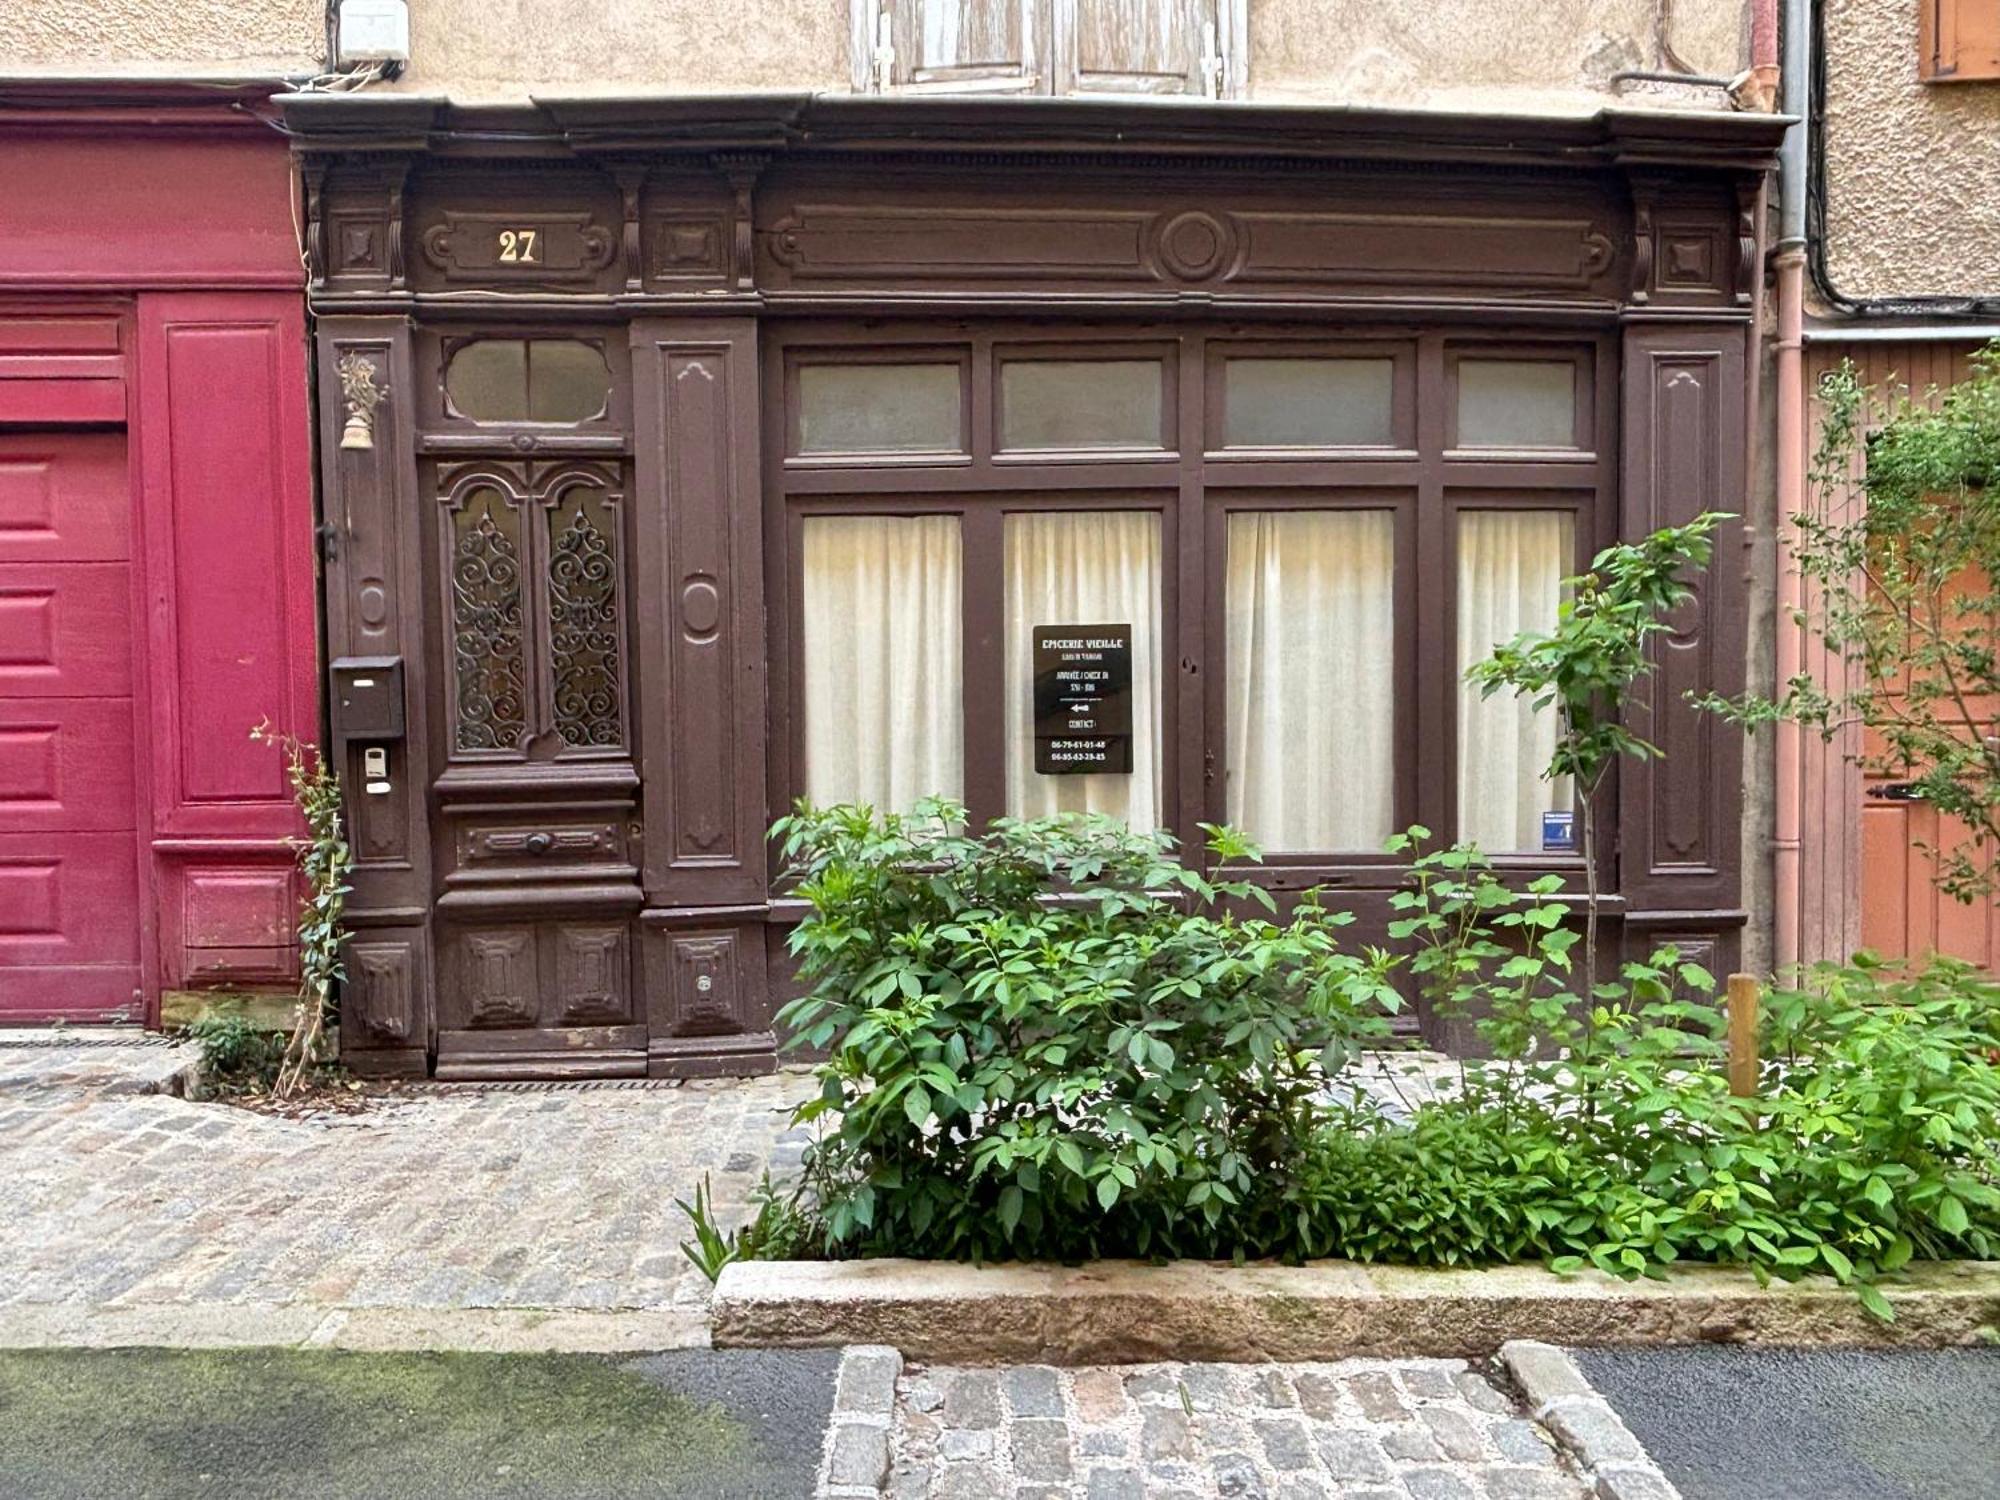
[373, 31]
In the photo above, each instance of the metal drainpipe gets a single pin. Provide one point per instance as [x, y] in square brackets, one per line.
[1790, 374]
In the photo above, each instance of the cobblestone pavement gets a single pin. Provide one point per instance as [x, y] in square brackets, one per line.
[1424, 1429]
[466, 1197]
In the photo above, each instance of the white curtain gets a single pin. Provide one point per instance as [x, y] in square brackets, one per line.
[1310, 678]
[1084, 568]
[885, 721]
[1510, 570]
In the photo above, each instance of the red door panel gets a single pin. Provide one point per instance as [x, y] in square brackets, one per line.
[69, 869]
[65, 630]
[66, 765]
[62, 498]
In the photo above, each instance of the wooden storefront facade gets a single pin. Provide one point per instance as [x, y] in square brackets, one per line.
[601, 382]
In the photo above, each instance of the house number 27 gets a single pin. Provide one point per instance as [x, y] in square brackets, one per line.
[520, 247]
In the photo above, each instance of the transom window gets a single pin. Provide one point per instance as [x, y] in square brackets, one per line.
[1181, 578]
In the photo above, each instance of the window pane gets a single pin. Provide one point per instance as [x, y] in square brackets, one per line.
[1077, 403]
[879, 409]
[1516, 403]
[488, 633]
[1084, 568]
[488, 380]
[1510, 570]
[567, 381]
[1311, 680]
[528, 380]
[885, 721]
[1308, 403]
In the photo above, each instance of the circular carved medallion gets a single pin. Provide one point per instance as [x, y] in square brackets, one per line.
[1194, 246]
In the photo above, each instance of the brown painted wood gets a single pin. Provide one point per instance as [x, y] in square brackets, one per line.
[526, 906]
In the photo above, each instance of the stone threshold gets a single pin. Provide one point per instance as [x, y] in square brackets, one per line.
[1114, 1312]
[300, 1325]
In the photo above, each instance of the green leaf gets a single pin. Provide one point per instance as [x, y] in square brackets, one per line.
[1950, 1215]
[1878, 1305]
[1010, 1209]
[1107, 1192]
[917, 1105]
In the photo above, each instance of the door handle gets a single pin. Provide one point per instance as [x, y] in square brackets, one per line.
[1897, 791]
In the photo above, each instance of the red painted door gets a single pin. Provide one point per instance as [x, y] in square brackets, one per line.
[69, 879]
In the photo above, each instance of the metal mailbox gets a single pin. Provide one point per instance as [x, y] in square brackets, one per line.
[368, 697]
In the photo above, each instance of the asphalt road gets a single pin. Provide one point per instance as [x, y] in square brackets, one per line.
[151, 1424]
[1729, 1423]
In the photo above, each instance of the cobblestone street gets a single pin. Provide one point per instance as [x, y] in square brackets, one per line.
[1359, 1429]
[550, 1197]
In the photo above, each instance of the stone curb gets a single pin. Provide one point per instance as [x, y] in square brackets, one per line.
[500, 1330]
[1126, 1311]
[855, 1460]
[1563, 1401]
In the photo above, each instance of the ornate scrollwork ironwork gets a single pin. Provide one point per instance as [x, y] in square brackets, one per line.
[583, 630]
[488, 642]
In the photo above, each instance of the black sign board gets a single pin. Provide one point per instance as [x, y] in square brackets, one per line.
[1083, 700]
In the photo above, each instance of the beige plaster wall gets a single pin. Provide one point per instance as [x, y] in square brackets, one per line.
[498, 49]
[163, 38]
[1474, 54]
[1496, 52]
[1912, 169]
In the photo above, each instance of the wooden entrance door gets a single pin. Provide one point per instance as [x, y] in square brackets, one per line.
[69, 880]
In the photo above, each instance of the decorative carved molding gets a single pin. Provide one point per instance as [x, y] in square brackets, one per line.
[360, 395]
[741, 169]
[491, 246]
[380, 989]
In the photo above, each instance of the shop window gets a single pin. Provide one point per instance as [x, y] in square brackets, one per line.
[1516, 403]
[884, 720]
[1048, 46]
[1958, 41]
[1511, 564]
[1308, 403]
[1311, 701]
[880, 408]
[1077, 404]
[528, 380]
[1084, 568]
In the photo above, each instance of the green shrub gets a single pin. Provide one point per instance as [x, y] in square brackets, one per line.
[237, 1055]
[1051, 1039]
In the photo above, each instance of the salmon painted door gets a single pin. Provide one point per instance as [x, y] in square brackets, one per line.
[69, 879]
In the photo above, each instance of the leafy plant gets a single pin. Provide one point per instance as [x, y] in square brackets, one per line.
[1900, 548]
[1050, 1037]
[783, 1228]
[325, 861]
[1587, 667]
[235, 1052]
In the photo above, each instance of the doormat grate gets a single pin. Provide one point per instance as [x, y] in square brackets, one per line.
[51, 1041]
[537, 1085]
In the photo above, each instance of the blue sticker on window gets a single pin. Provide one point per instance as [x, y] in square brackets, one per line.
[1558, 833]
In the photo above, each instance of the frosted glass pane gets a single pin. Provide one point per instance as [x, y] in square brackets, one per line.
[567, 381]
[1310, 679]
[1078, 403]
[488, 380]
[1511, 565]
[1083, 568]
[879, 409]
[885, 717]
[1308, 403]
[1516, 403]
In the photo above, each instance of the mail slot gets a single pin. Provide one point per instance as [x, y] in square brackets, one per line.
[368, 697]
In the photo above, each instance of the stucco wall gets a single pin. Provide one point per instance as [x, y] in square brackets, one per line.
[1912, 169]
[1489, 54]
[1477, 55]
[506, 48]
[212, 38]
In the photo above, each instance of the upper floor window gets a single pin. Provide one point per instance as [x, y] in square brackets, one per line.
[1190, 47]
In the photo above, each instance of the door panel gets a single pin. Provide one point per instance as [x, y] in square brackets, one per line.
[66, 765]
[69, 872]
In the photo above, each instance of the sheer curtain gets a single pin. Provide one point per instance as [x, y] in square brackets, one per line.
[885, 721]
[1510, 570]
[1310, 678]
[1084, 568]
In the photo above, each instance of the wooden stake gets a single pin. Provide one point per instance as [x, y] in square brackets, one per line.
[1743, 998]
